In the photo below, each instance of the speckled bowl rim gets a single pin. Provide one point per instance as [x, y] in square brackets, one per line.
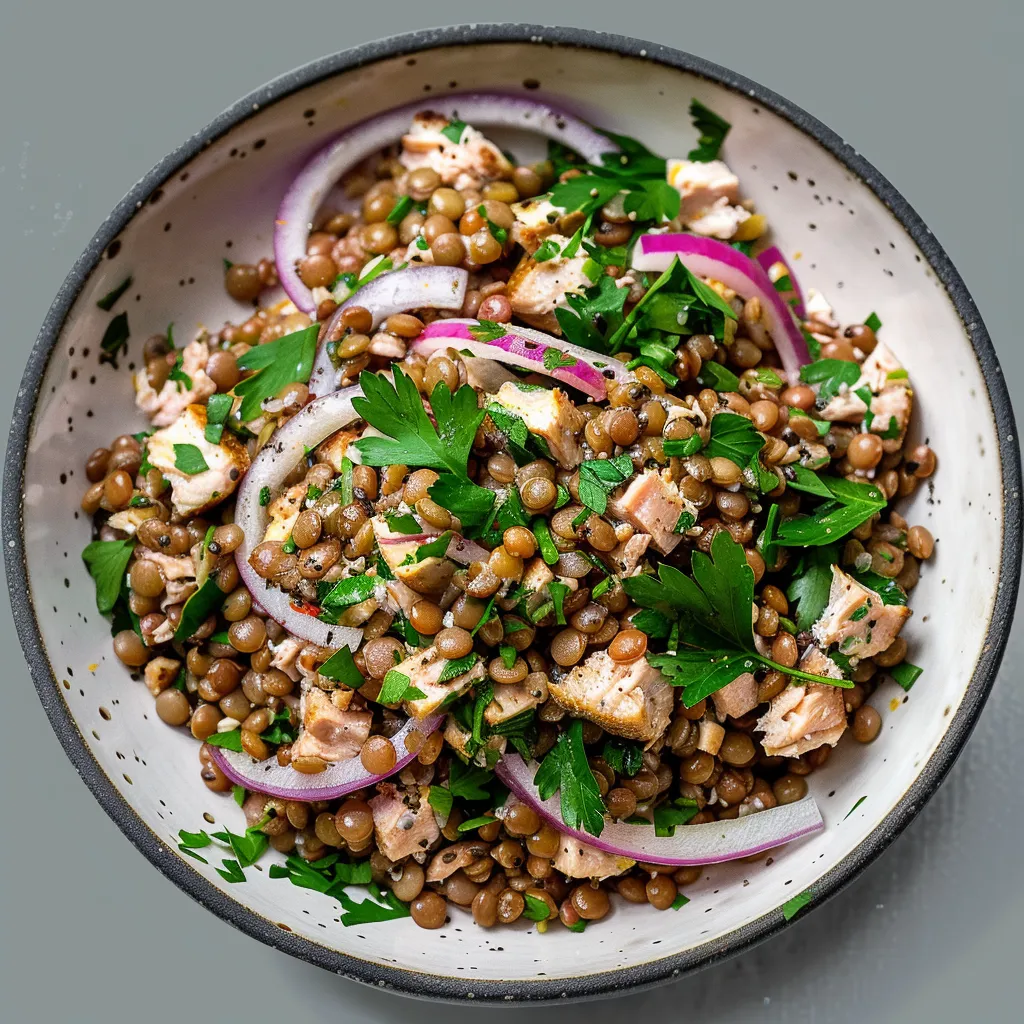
[413, 982]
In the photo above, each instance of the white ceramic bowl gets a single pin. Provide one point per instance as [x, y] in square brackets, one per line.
[215, 196]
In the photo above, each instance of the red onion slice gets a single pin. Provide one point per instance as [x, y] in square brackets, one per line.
[336, 780]
[393, 292]
[711, 843]
[707, 257]
[460, 549]
[272, 464]
[771, 257]
[308, 191]
[525, 348]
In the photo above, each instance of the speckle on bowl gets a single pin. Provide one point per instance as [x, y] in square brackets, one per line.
[225, 183]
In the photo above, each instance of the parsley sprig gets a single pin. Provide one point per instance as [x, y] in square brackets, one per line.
[565, 770]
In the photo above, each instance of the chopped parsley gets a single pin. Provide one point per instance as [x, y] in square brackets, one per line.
[536, 909]
[218, 408]
[287, 360]
[832, 375]
[847, 504]
[565, 770]
[793, 907]
[108, 300]
[403, 205]
[733, 437]
[342, 669]
[905, 674]
[189, 459]
[457, 667]
[398, 687]
[624, 756]
[107, 562]
[599, 477]
[713, 130]
[336, 597]
[873, 322]
[115, 339]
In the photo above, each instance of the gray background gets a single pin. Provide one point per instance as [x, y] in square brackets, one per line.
[92, 95]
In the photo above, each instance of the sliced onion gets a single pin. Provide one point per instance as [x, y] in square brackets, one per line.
[336, 780]
[710, 843]
[460, 549]
[525, 348]
[770, 260]
[309, 190]
[278, 457]
[393, 292]
[707, 257]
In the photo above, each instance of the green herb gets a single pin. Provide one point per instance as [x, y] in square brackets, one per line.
[472, 503]
[846, 506]
[565, 770]
[402, 206]
[793, 907]
[854, 807]
[182, 381]
[873, 322]
[714, 375]
[227, 264]
[557, 592]
[813, 345]
[733, 437]
[485, 616]
[221, 637]
[536, 909]
[397, 688]
[411, 439]
[328, 875]
[342, 669]
[238, 793]
[198, 608]
[230, 740]
[478, 822]
[716, 639]
[599, 477]
[769, 378]
[115, 338]
[588, 320]
[679, 902]
[784, 284]
[555, 360]
[469, 781]
[336, 597]
[404, 523]
[812, 581]
[484, 696]
[457, 667]
[684, 447]
[508, 653]
[189, 459]
[547, 250]
[905, 674]
[435, 548]
[887, 589]
[288, 360]
[453, 131]
[248, 848]
[370, 911]
[231, 872]
[264, 497]
[713, 130]
[487, 331]
[190, 841]
[107, 562]
[108, 300]
[685, 522]
[499, 234]
[441, 799]
[218, 408]
[625, 757]
[668, 815]
[545, 544]
[289, 547]
[831, 374]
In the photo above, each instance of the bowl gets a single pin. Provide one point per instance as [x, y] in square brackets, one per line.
[215, 197]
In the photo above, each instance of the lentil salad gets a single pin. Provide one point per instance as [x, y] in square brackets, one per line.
[486, 635]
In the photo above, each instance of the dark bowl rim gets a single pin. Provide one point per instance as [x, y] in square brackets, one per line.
[413, 982]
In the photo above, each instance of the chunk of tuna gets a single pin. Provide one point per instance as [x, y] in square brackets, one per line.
[163, 407]
[629, 699]
[710, 737]
[333, 450]
[329, 732]
[423, 670]
[160, 673]
[580, 860]
[737, 698]
[403, 820]
[535, 290]
[393, 545]
[891, 409]
[701, 185]
[536, 577]
[283, 511]
[458, 739]
[226, 462]
[172, 567]
[856, 619]
[285, 654]
[876, 369]
[130, 519]
[470, 162]
[535, 221]
[550, 415]
[719, 221]
[652, 504]
[802, 718]
[510, 699]
[625, 557]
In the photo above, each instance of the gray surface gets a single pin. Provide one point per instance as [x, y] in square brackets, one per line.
[90, 100]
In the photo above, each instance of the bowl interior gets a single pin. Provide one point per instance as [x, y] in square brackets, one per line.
[221, 204]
